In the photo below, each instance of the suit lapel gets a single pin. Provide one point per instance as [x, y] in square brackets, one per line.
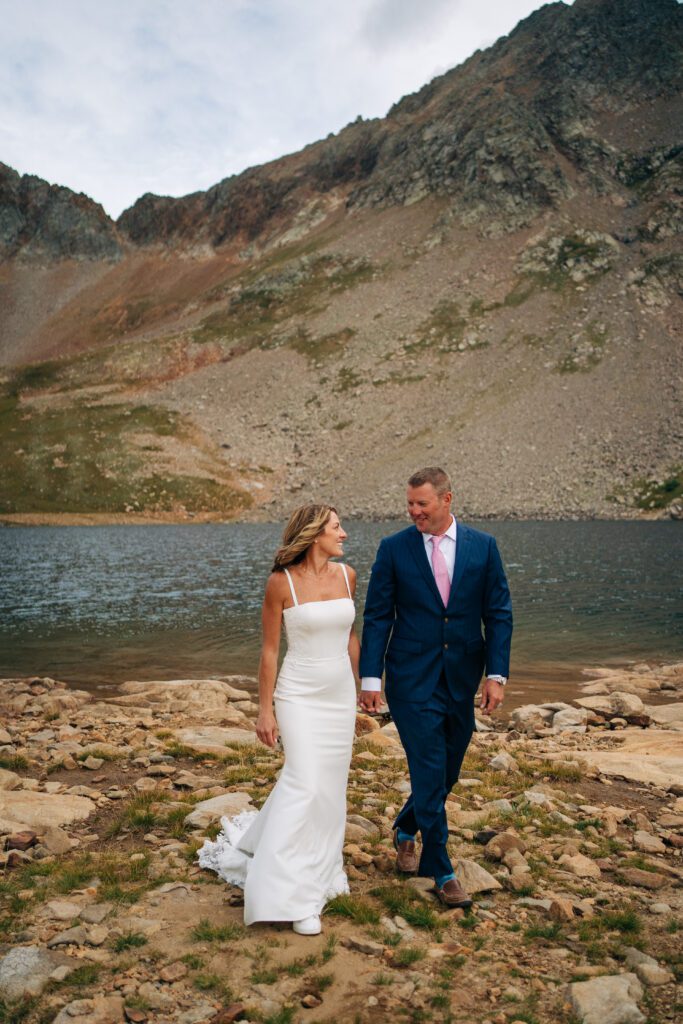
[417, 549]
[463, 543]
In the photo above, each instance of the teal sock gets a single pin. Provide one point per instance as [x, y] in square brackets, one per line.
[442, 879]
[404, 836]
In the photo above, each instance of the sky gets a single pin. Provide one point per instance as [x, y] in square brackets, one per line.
[116, 98]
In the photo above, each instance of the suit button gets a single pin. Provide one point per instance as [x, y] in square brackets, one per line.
[446, 646]
[445, 619]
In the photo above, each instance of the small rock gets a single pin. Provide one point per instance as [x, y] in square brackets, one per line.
[644, 879]
[503, 762]
[134, 1016]
[580, 865]
[93, 764]
[156, 998]
[310, 1001]
[233, 1012]
[209, 811]
[501, 842]
[474, 878]
[21, 840]
[561, 909]
[648, 843]
[96, 912]
[99, 1010]
[647, 968]
[363, 945]
[174, 972]
[61, 910]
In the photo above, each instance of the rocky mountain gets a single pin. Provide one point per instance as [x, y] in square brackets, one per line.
[489, 277]
[43, 223]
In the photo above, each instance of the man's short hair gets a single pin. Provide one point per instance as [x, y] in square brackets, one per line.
[434, 475]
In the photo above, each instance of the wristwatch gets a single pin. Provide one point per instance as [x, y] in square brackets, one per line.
[499, 679]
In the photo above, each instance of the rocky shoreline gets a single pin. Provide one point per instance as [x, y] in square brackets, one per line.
[674, 511]
[567, 826]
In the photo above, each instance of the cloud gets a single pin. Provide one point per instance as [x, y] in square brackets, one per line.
[120, 98]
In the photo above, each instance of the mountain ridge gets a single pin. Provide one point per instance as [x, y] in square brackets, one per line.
[499, 252]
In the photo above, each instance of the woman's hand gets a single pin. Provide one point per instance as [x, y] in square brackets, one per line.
[266, 727]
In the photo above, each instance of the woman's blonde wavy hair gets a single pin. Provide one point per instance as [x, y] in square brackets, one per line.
[305, 524]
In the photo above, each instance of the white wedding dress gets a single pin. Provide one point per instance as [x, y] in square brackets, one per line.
[288, 856]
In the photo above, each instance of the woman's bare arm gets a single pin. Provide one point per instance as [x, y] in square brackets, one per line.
[271, 623]
[354, 643]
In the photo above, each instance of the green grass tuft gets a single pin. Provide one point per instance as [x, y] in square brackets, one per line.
[354, 907]
[130, 940]
[206, 932]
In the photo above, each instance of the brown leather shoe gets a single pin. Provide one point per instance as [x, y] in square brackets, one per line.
[453, 895]
[406, 857]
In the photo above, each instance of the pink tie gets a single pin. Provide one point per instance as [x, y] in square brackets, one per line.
[440, 570]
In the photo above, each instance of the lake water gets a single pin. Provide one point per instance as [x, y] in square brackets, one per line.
[98, 605]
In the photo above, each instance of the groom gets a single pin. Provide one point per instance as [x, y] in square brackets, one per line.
[432, 586]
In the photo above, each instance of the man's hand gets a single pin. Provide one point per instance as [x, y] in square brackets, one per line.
[370, 701]
[492, 694]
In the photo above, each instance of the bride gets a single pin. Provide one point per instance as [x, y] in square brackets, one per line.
[288, 856]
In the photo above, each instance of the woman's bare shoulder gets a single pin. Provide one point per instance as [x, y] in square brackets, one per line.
[276, 586]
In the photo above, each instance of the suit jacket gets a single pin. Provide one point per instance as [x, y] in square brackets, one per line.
[408, 632]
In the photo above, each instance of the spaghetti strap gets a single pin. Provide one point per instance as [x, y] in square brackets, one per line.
[346, 577]
[291, 586]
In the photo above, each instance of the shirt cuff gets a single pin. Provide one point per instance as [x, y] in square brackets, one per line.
[370, 683]
[499, 679]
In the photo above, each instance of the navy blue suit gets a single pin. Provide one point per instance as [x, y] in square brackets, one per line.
[434, 657]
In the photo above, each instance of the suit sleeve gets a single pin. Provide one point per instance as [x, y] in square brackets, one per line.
[379, 614]
[497, 615]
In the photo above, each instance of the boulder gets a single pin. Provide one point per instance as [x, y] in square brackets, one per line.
[529, 718]
[227, 805]
[665, 714]
[26, 970]
[216, 740]
[9, 780]
[381, 741]
[206, 700]
[626, 704]
[570, 720]
[39, 810]
[610, 999]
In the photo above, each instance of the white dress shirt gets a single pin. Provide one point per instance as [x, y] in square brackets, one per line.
[447, 548]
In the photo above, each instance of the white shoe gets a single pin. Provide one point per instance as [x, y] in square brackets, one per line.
[308, 925]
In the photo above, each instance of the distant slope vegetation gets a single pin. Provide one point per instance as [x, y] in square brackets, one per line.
[489, 277]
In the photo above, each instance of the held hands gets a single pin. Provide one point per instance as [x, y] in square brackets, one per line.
[370, 701]
[492, 694]
[266, 727]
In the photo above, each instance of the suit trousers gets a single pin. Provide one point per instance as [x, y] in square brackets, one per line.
[435, 735]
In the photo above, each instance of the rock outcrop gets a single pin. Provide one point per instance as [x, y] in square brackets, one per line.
[43, 223]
